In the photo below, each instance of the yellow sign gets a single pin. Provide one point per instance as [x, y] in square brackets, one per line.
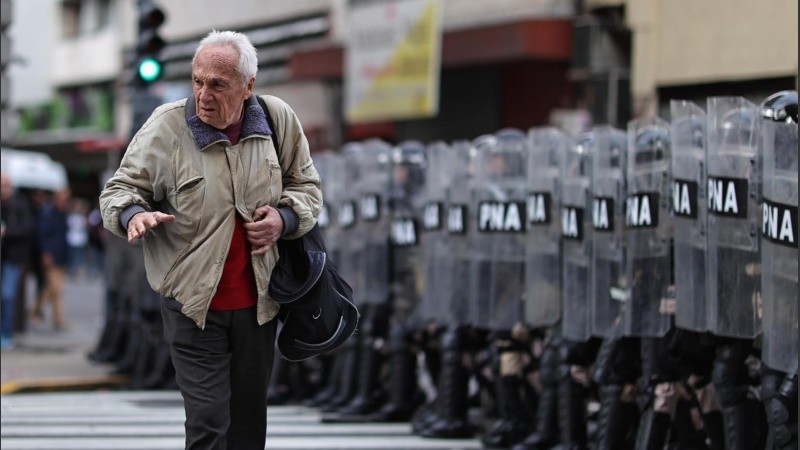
[392, 61]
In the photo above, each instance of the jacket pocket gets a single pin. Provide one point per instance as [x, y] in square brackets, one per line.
[188, 203]
[275, 178]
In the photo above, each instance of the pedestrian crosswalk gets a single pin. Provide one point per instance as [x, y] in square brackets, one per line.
[154, 420]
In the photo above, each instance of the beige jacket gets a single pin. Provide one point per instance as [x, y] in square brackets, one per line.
[178, 165]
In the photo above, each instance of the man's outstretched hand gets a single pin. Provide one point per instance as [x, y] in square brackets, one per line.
[142, 222]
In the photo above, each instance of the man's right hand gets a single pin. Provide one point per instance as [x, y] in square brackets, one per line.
[144, 221]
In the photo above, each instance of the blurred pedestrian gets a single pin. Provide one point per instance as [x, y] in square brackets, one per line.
[52, 231]
[17, 230]
[97, 244]
[226, 185]
[78, 236]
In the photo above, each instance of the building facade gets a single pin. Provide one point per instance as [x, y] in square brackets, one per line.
[505, 63]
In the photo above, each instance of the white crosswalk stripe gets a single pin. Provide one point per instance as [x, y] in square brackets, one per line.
[154, 420]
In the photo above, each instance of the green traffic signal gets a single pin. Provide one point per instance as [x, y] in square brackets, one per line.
[149, 69]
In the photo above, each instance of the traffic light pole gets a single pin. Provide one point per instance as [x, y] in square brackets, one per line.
[148, 64]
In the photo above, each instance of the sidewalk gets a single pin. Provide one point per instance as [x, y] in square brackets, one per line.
[44, 359]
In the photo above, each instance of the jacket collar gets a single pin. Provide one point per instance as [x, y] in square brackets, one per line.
[254, 124]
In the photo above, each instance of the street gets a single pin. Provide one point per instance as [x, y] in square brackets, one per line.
[154, 420]
[54, 398]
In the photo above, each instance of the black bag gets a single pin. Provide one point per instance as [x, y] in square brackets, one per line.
[317, 307]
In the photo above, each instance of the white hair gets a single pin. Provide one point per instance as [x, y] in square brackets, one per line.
[248, 61]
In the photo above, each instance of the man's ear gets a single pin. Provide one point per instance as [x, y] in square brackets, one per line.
[250, 83]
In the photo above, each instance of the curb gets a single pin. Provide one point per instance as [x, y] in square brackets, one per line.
[62, 384]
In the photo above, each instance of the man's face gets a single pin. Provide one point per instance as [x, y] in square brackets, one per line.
[219, 91]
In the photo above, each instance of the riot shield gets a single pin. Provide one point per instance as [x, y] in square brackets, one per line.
[374, 220]
[648, 263]
[436, 256]
[732, 160]
[688, 139]
[497, 228]
[408, 169]
[329, 166]
[543, 246]
[608, 191]
[348, 241]
[779, 268]
[456, 287]
[576, 239]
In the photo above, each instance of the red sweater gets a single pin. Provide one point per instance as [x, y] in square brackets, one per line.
[237, 286]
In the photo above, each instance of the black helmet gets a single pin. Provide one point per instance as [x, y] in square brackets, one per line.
[651, 143]
[780, 107]
[409, 161]
[738, 126]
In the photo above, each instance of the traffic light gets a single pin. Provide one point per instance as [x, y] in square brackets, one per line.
[149, 43]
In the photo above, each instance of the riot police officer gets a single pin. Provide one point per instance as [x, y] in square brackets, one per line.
[732, 263]
[543, 275]
[370, 272]
[408, 168]
[779, 286]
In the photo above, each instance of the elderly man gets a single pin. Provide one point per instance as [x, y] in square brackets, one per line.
[208, 187]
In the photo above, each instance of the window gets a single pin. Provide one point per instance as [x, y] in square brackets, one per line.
[70, 18]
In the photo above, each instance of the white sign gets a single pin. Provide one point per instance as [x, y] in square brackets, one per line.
[392, 60]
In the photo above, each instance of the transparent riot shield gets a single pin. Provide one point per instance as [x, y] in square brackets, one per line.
[648, 263]
[543, 246]
[345, 205]
[456, 287]
[733, 217]
[576, 239]
[497, 228]
[608, 230]
[329, 166]
[374, 220]
[408, 176]
[436, 256]
[779, 286]
[688, 154]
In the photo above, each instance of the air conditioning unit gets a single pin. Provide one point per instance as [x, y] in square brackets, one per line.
[598, 46]
[608, 97]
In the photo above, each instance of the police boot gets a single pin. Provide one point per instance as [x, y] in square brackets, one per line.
[403, 392]
[161, 370]
[513, 400]
[331, 383]
[369, 393]
[545, 433]
[278, 389]
[781, 410]
[424, 416]
[617, 420]
[653, 430]
[741, 420]
[572, 414]
[146, 355]
[115, 334]
[714, 429]
[450, 420]
[347, 379]
[684, 434]
[431, 348]
[133, 343]
[107, 345]
[515, 421]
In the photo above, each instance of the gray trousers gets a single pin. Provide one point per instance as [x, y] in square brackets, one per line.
[223, 372]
